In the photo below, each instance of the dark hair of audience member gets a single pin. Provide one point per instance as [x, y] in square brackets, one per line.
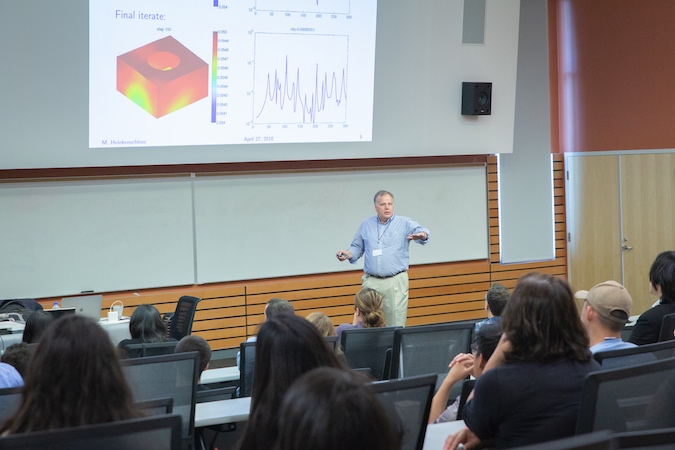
[497, 297]
[542, 322]
[276, 306]
[74, 378]
[36, 324]
[331, 409]
[662, 274]
[287, 347]
[17, 355]
[194, 343]
[369, 303]
[147, 325]
[486, 340]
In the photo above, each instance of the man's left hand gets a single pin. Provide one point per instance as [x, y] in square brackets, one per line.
[418, 236]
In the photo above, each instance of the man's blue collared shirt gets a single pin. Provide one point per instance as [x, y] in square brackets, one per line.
[391, 239]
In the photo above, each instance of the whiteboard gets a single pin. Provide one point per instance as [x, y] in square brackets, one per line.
[261, 226]
[65, 237]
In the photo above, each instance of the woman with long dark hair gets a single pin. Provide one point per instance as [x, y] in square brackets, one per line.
[145, 326]
[287, 347]
[530, 390]
[74, 378]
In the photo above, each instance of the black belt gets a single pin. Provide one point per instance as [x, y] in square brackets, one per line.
[389, 276]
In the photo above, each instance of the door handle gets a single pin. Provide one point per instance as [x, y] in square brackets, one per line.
[626, 247]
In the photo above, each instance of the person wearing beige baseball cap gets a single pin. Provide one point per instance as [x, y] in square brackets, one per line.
[607, 307]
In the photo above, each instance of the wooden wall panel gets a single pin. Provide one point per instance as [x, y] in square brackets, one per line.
[230, 312]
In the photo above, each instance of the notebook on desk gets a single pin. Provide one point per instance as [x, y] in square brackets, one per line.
[87, 305]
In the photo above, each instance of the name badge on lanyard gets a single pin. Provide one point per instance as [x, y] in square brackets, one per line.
[377, 252]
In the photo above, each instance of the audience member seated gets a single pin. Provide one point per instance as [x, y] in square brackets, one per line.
[17, 355]
[605, 312]
[9, 376]
[74, 378]
[322, 323]
[495, 301]
[367, 311]
[462, 366]
[145, 326]
[36, 324]
[287, 347]
[194, 343]
[662, 285]
[530, 390]
[273, 308]
[331, 409]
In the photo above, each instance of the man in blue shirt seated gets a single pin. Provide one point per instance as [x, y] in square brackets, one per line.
[495, 301]
[607, 307]
[383, 240]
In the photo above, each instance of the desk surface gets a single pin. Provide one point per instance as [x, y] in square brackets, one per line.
[220, 375]
[222, 411]
[438, 432]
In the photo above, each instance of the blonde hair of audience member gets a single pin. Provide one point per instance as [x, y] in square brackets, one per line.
[74, 378]
[368, 309]
[287, 347]
[322, 323]
[330, 409]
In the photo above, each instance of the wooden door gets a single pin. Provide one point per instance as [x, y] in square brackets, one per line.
[647, 217]
[594, 249]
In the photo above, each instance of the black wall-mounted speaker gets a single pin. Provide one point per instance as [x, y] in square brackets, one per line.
[476, 99]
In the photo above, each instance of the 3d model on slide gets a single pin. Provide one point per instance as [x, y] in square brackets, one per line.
[162, 76]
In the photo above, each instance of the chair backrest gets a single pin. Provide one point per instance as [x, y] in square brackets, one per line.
[629, 399]
[367, 348]
[667, 327]
[162, 376]
[181, 321]
[407, 402]
[10, 400]
[626, 332]
[156, 407]
[467, 387]
[147, 433]
[246, 368]
[636, 355]
[333, 343]
[150, 349]
[601, 440]
[650, 439]
[429, 349]
[212, 395]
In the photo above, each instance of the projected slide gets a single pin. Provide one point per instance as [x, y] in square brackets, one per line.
[208, 72]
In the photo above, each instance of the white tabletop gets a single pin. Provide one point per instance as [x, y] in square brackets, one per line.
[222, 411]
[220, 375]
[438, 432]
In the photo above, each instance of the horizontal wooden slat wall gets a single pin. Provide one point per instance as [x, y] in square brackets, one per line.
[230, 312]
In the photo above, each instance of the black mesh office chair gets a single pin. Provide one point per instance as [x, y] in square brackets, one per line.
[407, 402]
[667, 327]
[180, 322]
[246, 368]
[150, 349]
[173, 376]
[612, 359]
[10, 399]
[147, 433]
[367, 348]
[429, 349]
[630, 399]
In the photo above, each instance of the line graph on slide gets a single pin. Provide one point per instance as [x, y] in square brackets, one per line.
[300, 79]
[305, 6]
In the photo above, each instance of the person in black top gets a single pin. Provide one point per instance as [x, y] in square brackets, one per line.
[661, 285]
